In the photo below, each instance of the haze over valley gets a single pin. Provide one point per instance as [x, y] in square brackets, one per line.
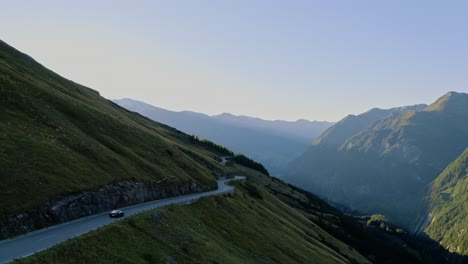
[248, 132]
[273, 143]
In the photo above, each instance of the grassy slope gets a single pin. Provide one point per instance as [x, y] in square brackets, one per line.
[58, 137]
[378, 241]
[449, 200]
[267, 221]
[251, 227]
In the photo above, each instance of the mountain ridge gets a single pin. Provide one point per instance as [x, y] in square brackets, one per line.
[62, 141]
[352, 124]
[265, 141]
[240, 120]
[393, 158]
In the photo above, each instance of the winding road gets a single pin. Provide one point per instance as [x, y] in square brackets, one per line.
[224, 160]
[33, 242]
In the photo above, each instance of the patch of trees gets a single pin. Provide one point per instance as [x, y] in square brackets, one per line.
[249, 163]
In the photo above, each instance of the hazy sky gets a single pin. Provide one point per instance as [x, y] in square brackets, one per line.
[271, 59]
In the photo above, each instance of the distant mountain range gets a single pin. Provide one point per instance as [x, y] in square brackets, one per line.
[273, 143]
[300, 130]
[66, 152]
[384, 161]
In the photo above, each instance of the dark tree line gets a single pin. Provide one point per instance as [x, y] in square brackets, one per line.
[239, 158]
[249, 163]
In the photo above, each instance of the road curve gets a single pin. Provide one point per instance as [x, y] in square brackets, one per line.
[224, 160]
[33, 242]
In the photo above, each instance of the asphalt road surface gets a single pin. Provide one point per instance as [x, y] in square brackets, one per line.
[225, 159]
[30, 243]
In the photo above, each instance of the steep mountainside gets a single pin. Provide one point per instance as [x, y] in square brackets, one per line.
[273, 143]
[266, 221]
[58, 138]
[66, 152]
[387, 167]
[432, 137]
[351, 125]
[449, 206]
[250, 227]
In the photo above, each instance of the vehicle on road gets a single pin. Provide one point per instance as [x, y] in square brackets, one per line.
[116, 213]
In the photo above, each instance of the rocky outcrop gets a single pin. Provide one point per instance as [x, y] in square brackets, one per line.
[63, 209]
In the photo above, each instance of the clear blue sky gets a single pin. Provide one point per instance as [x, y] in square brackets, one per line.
[318, 60]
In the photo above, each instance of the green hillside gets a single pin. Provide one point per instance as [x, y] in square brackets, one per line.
[372, 236]
[250, 227]
[449, 206]
[436, 133]
[266, 221]
[58, 137]
[386, 167]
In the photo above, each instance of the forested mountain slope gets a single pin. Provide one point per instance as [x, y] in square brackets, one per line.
[387, 167]
[449, 206]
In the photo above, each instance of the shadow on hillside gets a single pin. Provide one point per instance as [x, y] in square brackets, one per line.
[428, 250]
[432, 251]
[376, 240]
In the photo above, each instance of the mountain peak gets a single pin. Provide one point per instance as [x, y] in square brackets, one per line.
[229, 115]
[449, 102]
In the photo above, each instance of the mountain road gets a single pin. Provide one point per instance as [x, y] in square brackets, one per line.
[33, 242]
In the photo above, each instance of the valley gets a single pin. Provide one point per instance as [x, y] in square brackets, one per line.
[221, 132]
[272, 143]
[387, 164]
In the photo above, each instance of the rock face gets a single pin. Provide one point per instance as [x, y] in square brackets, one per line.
[63, 209]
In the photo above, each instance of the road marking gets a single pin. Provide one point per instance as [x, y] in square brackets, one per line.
[47, 237]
